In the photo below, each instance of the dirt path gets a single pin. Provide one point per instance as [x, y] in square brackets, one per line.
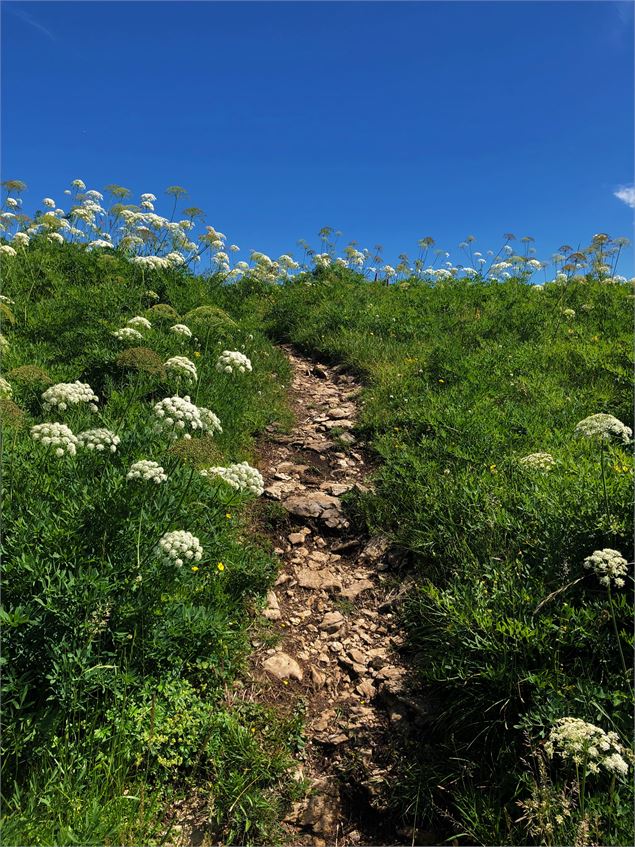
[337, 647]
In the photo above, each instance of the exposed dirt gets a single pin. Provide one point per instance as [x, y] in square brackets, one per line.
[337, 647]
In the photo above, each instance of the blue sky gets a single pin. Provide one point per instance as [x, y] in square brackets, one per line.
[388, 121]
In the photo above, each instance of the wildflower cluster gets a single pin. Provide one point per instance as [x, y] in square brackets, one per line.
[181, 329]
[538, 461]
[176, 415]
[99, 440]
[178, 547]
[5, 388]
[607, 565]
[587, 745]
[65, 394]
[240, 476]
[139, 322]
[231, 360]
[128, 333]
[55, 435]
[156, 243]
[182, 368]
[605, 427]
[147, 471]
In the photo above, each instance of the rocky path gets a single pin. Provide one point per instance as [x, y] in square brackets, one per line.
[337, 646]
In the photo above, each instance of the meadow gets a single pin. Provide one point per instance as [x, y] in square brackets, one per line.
[130, 578]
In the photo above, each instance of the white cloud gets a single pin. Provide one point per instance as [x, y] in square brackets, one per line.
[626, 194]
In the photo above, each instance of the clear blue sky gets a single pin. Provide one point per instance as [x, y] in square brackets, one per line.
[389, 121]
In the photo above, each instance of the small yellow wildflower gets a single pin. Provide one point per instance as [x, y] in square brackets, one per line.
[220, 566]
[194, 568]
[493, 469]
[228, 516]
[197, 355]
[441, 380]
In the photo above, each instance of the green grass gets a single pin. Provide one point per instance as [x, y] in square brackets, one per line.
[117, 667]
[115, 664]
[463, 380]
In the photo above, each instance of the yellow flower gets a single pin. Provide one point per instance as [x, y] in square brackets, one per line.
[228, 516]
[220, 566]
[197, 355]
[194, 568]
[493, 469]
[441, 380]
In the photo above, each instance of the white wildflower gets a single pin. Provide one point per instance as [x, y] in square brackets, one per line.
[147, 471]
[178, 416]
[181, 329]
[21, 239]
[241, 476]
[607, 565]
[231, 360]
[5, 388]
[65, 394]
[56, 237]
[139, 322]
[540, 461]
[179, 547]
[588, 745]
[99, 440]
[127, 333]
[55, 435]
[569, 314]
[7, 250]
[604, 426]
[181, 367]
[50, 204]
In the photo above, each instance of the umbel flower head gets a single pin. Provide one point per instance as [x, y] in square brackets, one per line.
[127, 333]
[178, 416]
[181, 329]
[538, 461]
[65, 394]
[588, 745]
[232, 360]
[604, 427]
[608, 565]
[147, 471]
[240, 476]
[182, 368]
[55, 435]
[5, 388]
[179, 547]
[100, 440]
[139, 322]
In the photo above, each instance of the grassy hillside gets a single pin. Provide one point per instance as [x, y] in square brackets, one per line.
[509, 632]
[117, 656]
[118, 651]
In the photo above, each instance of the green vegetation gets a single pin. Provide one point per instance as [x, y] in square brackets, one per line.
[117, 662]
[508, 631]
[120, 654]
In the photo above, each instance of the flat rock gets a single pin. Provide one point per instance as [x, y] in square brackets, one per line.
[308, 578]
[283, 666]
[311, 505]
[332, 621]
[272, 612]
[278, 490]
[356, 588]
